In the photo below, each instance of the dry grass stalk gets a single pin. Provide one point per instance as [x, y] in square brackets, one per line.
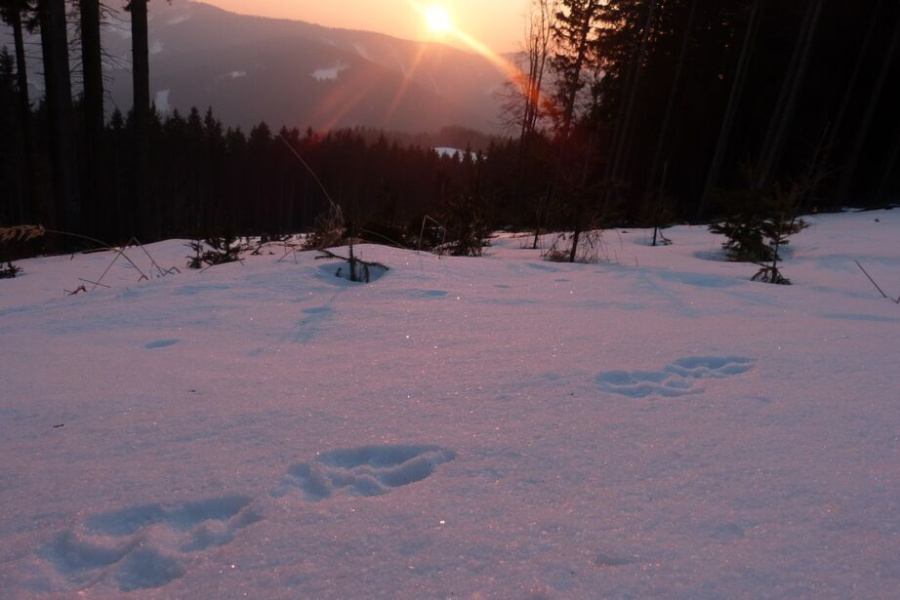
[21, 233]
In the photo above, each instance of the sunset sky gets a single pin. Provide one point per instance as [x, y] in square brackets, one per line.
[498, 24]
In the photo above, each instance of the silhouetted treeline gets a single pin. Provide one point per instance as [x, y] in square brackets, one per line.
[641, 111]
[209, 180]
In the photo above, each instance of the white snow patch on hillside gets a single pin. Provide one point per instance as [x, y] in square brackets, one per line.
[329, 73]
[156, 47]
[161, 100]
[454, 153]
[653, 426]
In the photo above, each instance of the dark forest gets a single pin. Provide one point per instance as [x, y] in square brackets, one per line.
[634, 112]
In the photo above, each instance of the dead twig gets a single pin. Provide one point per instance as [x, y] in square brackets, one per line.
[877, 287]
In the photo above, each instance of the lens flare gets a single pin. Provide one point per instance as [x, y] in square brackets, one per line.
[438, 19]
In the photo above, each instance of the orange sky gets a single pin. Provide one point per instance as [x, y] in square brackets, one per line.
[498, 24]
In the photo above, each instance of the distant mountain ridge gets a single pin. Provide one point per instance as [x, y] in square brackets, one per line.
[252, 69]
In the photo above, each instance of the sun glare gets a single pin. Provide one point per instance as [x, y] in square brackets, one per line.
[438, 19]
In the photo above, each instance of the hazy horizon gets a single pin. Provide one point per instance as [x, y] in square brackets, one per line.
[499, 24]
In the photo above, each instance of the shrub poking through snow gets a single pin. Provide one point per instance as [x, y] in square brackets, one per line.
[214, 251]
[776, 229]
[759, 224]
[9, 271]
[328, 231]
[466, 229]
[358, 270]
[17, 234]
[587, 250]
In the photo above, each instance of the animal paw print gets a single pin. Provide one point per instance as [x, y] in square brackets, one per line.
[678, 378]
[150, 545]
[147, 546]
[363, 471]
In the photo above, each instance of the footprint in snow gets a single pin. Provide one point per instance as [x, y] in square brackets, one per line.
[147, 546]
[678, 378]
[362, 471]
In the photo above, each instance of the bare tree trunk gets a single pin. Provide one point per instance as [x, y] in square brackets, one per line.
[670, 103]
[787, 100]
[92, 66]
[54, 42]
[850, 89]
[622, 141]
[15, 21]
[734, 96]
[890, 169]
[866, 124]
[537, 47]
[582, 40]
[141, 84]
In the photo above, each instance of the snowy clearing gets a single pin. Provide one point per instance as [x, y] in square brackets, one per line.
[497, 427]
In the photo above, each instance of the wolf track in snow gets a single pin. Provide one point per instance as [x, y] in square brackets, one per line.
[678, 378]
[147, 546]
[363, 471]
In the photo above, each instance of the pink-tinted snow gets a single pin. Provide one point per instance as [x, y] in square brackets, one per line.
[652, 426]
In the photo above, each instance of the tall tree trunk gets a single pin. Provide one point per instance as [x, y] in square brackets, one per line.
[890, 169]
[537, 47]
[783, 116]
[868, 116]
[734, 97]
[55, 46]
[622, 141]
[15, 21]
[670, 102]
[580, 57]
[141, 84]
[92, 67]
[850, 88]
[581, 43]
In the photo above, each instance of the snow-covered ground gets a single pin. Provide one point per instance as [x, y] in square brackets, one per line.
[656, 426]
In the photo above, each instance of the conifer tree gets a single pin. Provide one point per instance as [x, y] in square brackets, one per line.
[14, 12]
[92, 70]
[57, 80]
[140, 66]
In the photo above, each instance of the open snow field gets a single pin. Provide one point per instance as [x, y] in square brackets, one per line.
[657, 426]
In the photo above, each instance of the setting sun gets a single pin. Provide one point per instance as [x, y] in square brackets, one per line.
[438, 19]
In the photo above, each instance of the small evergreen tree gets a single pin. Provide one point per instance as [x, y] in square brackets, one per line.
[214, 251]
[467, 230]
[759, 224]
[777, 228]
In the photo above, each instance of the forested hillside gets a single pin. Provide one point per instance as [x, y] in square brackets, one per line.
[627, 111]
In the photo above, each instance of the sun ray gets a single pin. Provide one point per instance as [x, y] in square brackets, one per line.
[438, 20]
[407, 80]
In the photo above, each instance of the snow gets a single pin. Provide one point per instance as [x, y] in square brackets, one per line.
[454, 153]
[655, 425]
[329, 73]
[161, 101]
